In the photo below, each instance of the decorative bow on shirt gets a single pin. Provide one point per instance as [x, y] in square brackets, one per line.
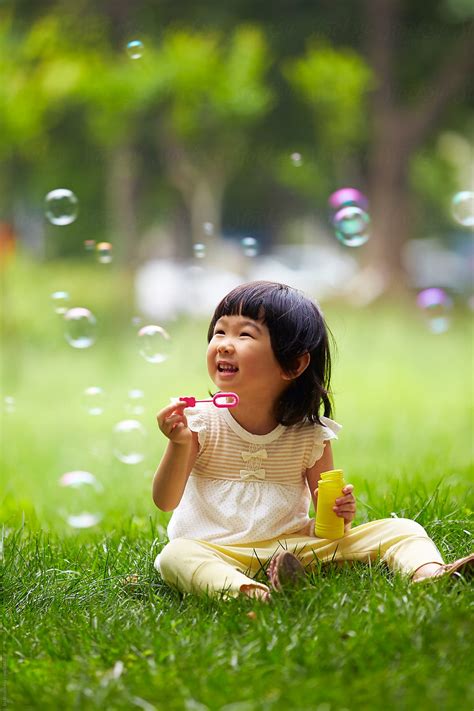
[260, 454]
[249, 473]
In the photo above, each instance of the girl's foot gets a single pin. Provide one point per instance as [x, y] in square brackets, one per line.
[462, 568]
[285, 570]
[255, 592]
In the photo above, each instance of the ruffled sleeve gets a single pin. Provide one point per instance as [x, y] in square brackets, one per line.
[197, 422]
[322, 433]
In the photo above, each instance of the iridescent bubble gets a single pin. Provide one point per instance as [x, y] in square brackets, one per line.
[462, 206]
[296, 159]
[62, 206]
[134, 405]
[249, 246]
[352, 226]
[104, 252]
[135, 49]
[93, 398]
[345, 197]
[80, 327]
[129, 441]
[154, 343]
[89, 245]
[199, 250]
[61, 301]
[436, 306]
[9, 405]
[208, 228]
[80, 499]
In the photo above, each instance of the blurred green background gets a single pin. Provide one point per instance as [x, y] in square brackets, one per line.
[245, 117]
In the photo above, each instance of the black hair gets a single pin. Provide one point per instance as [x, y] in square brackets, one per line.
[296, 327]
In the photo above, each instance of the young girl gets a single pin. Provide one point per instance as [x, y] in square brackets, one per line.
[240, 481]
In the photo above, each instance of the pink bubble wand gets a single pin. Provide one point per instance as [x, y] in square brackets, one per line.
[191, 401]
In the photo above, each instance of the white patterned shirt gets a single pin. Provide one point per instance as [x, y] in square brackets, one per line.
[246, 487]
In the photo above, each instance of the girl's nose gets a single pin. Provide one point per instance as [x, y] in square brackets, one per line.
[225, 347]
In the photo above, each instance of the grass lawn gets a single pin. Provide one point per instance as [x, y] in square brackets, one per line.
[76, 635]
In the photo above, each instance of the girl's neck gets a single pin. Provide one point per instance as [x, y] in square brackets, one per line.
[254, 419]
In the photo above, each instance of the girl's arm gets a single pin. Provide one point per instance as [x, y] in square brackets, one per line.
[178, 460]
[345, 505]
[313, 475]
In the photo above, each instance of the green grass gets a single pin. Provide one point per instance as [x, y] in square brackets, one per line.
[75, 636]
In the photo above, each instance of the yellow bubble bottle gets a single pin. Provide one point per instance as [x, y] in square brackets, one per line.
[328, 524]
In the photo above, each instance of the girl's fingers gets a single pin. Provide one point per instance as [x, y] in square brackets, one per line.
[170, 409]
[345, 499]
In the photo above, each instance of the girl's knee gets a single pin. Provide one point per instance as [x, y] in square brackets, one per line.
[173, 551]
[409, 527]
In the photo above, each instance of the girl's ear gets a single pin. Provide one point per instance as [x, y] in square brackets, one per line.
[301, 363]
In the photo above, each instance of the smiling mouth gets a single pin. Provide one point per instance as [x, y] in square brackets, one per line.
[226, 368]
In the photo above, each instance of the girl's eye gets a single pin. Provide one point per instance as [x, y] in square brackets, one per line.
[219, 332]
[244, 333]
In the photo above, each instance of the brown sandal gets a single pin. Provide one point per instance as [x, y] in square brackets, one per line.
[285, 570]
[461, 568]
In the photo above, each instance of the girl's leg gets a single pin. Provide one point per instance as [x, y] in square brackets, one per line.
[197, 567]
[401, 543]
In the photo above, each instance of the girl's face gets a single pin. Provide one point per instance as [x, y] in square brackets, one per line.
[240, 359]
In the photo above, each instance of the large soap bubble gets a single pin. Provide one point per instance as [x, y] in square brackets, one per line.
[351, 225]
[80, 499]
[129, 441]
[80, 327]
[93, 399]
[61, 301]
[134, 405]
[135, 49]
[154, 343]
[62, 206]
[462, 207]
[436, 307]
[104, 252]
[249, 246]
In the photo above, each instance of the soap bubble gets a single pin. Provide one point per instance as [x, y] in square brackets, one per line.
[436, 306]
[352, 226]
[345, 197]
[154, 343]
[129, 441]
[249, 246]
[296, 159]
[462, 206]
[104, 252]
[93, 398]
[208, 228]
[199, 250]
[135, 49]
[89, 245]
[61, 206]
[9, 405]
[134, 405]
[60, 300]
[80, 499]
[80, 327]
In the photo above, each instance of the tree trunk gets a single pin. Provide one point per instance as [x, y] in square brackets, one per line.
[121, 204]
[390, 202]
[398, 132]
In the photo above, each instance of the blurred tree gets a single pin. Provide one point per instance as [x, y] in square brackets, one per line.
[405, 114]
[215, 94]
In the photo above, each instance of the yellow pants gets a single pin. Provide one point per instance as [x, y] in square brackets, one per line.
[202, 567]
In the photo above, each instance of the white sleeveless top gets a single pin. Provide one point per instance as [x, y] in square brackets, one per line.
[246, 487]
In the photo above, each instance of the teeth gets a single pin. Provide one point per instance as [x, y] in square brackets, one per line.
[227, 368]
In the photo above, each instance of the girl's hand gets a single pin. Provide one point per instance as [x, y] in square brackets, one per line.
[345, 506]
[173, 423]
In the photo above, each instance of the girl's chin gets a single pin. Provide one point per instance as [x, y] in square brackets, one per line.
[225, 378]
